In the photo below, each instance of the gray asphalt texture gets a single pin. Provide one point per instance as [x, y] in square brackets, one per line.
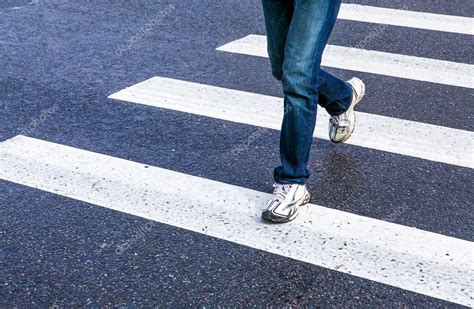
[63, 252]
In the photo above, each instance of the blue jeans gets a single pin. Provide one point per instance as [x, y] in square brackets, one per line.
[297, 33]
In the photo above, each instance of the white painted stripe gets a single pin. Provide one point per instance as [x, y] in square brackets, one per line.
[431, 142]
[404, 18]
[404, 257]
[371, 61]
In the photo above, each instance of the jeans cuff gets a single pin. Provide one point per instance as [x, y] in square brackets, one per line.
[290, 181]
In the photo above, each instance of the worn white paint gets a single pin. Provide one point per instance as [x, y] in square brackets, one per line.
[371, 61]
[405, 18]
[415, 139]
[400, 256]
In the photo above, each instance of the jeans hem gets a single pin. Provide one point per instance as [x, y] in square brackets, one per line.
[290, 181]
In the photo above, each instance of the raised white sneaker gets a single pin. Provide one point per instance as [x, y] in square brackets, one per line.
[342, 126]
[286, 199]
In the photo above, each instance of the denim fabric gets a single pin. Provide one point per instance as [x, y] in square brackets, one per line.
[297, 33]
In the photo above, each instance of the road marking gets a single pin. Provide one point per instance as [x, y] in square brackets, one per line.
[420, 140]
[371, 61]
[408, 258]
[404, 18]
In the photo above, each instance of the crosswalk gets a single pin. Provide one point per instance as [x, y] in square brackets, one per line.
[370, 61]
[405, 18]
[421, 140]
[400, 256]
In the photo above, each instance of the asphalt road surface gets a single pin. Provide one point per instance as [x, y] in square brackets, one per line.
[138, 140]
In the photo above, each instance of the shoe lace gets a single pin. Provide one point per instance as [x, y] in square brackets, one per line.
[280, 191]
[339, 121]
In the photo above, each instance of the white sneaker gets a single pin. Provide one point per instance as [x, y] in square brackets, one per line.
[286, 199]
[342, 126]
